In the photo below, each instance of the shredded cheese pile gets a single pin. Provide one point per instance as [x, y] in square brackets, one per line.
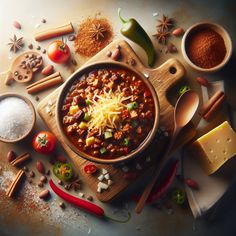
[105, 109]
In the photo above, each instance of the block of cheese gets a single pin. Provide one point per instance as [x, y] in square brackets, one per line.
[216, 147]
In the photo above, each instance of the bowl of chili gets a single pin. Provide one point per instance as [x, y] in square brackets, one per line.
[107, 112]
[206, 47]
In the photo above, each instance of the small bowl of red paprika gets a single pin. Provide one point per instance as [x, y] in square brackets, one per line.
[206, 47]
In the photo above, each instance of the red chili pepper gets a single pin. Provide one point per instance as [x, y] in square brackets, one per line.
[192, 184]
[90, 169]
[161, 189]
[88, 206]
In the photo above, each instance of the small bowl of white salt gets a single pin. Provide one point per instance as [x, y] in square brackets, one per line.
[17, 117]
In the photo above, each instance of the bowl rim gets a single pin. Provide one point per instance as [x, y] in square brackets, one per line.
[30, 104]
[97, 65]
[228, 45]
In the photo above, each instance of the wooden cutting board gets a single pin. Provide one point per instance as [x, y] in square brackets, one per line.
[163, 78]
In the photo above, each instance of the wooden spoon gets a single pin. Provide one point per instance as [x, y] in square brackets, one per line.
[184, 111]
[20, 73]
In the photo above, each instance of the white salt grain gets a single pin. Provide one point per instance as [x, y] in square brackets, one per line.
[166, 134]
[102, 185]
[107, 176]
[37, 26]
[47, 109]
[162, 128]
[138, 166]
[81, 194]
[16, 118]
[50, 103]
[125, 169]
[100, 177]
[104, 171]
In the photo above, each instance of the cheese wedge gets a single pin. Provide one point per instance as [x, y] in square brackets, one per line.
[215, 148]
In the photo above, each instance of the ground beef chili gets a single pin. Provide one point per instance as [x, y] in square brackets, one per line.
[108, 112]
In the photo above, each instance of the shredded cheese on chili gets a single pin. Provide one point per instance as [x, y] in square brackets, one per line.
[105, 109]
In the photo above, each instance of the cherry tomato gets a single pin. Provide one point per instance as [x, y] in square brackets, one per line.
[44, 142]
[90, 169]
[58, 52]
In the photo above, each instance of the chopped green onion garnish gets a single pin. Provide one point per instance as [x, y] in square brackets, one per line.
[102, 150]
[88, 102]
[135, 105]
[131, 106]
[134, 123]
[183, 89]
[107, 134]
[87, 117]
[126, 142]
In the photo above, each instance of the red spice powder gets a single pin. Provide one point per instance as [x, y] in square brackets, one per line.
[87, 45]
[206, 48]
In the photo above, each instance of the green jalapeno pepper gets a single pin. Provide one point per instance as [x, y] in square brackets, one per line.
[134, 31]
[178, 196]
[63, 171]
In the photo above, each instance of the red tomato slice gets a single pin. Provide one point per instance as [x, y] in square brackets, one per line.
[90, 169]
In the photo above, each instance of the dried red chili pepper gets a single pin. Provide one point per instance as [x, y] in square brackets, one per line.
[88, 206]
[158, 192]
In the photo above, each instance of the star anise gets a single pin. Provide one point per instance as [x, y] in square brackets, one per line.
[97, 31]
[15, 43]
[165, 23]
[162, 36]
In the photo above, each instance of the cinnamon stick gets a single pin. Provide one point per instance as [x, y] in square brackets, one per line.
[214, 108]
[15, 183]
[45, 83]
[54, 75]
[20, 159]
[207, 106]
[54, 32]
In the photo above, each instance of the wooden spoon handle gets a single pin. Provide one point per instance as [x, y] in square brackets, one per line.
[9, 78]
[156, 174]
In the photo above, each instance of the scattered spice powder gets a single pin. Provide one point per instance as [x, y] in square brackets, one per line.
[206, 48]
[93, 35]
